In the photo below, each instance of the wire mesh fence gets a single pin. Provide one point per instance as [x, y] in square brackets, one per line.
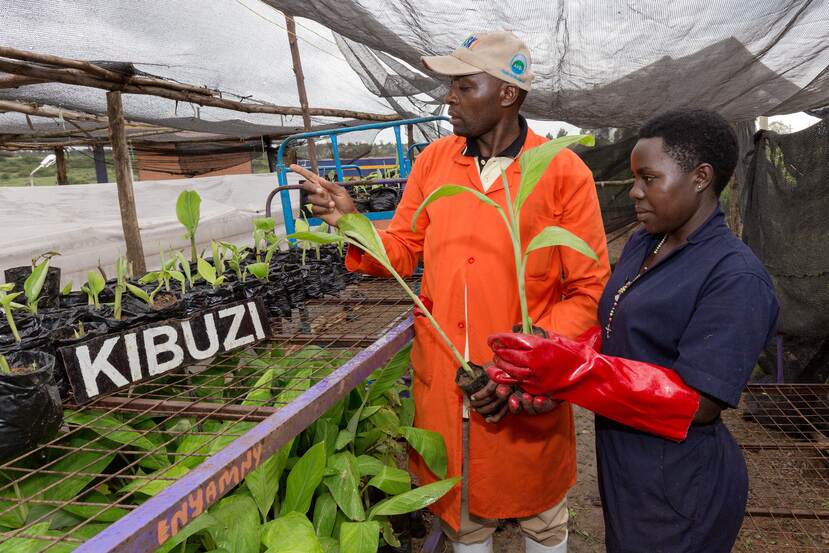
[783, 430]
[116, 452]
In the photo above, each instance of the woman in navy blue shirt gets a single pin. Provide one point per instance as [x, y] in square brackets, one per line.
[684, 317]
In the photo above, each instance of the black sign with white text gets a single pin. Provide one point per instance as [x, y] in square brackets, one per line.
[105, 364]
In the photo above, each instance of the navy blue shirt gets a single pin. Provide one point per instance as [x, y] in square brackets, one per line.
[706, 311]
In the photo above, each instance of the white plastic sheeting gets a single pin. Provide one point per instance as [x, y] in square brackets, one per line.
[236, 46]
[83, 223]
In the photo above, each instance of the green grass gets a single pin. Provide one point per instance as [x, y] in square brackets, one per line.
[80, 169]
[80, 166]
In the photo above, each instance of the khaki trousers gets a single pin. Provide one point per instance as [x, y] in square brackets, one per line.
[548, 528]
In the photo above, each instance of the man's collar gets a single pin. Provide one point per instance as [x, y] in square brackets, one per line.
[512, 151]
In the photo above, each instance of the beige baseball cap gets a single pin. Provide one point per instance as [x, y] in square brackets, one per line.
[500, 53]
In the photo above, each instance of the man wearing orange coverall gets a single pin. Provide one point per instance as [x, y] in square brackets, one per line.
[469, 281]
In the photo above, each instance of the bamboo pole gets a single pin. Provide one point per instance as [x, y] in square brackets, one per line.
[159, 87]
[123, 176]
[300, 86]
[60, 164]
[102, 72]
[53, 112]
[15, 81]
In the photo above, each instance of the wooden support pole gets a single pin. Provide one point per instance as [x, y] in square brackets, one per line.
[123, 176]
[60, 164]
[300, 86]
[69, 115]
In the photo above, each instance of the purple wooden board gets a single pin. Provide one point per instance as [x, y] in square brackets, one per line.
[147, 527]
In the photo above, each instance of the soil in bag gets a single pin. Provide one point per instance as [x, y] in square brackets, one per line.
[383, 199]
[50, 292]
[29, 327]
[73, 333]
[471, 384]
[30, 409]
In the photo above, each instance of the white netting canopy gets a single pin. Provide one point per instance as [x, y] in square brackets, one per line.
[612, 63]
[597, 64]
[239, 47]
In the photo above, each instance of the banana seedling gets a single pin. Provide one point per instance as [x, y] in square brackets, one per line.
[4, 366]
[188, 212]
[260, 270]
[303, 226]
[165, 274]
[95, 284]
[120, 285]
[148, 298]
[8, 304]
[264, 236]
[235, 259]
[183, 265]
[218, 257]
[534, 163]
[208, 273]
[67, 289]
[33, 284]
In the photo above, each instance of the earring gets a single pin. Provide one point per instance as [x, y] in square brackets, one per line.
[699, 187]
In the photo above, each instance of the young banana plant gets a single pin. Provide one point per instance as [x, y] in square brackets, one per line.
[208, 273]
[95, 284]
[121, 267]
[33, 284]
[534, 163]
[8, 304]
[234, 260]
[188, 212]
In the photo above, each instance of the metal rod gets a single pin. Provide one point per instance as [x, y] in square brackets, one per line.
[779, 351]
[344, 341]
[401, 157]
[335, 153]
[148, 527]
[788, 513]
[123, 176]
[217, 411]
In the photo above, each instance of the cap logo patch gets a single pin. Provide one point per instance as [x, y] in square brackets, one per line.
[518, 64]
[470, 41]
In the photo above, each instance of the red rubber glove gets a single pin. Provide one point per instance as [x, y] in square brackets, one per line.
[521, 401]
[640, 395]
[427, 303]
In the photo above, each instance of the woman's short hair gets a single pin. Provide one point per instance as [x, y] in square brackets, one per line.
[695, 136]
